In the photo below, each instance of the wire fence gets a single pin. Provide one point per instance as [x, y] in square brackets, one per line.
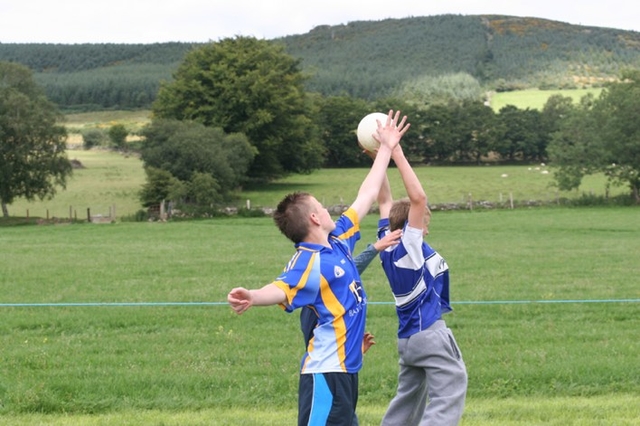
[160, 304]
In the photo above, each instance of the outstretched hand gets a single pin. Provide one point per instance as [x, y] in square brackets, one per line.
[240, 300]
[390, 133]
[391, 239]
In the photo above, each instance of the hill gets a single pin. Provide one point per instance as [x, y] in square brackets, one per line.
[366, 59]
[501, 52]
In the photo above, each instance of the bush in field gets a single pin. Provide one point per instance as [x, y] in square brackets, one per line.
[93, 137]
[190, 163]
[118, 135]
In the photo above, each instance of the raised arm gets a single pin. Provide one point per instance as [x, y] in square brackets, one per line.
[417, 195]
[385, 199]
[389, 135]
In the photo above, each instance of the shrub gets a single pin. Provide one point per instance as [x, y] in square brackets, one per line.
[93, 137]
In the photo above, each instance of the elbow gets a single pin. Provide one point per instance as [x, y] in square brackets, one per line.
[420, 198]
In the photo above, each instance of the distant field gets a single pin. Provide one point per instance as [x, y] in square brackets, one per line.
[132, 120]
[111, 179]
[535, 99]
[108, 179]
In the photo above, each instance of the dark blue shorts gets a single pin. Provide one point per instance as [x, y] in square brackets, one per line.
[327, 399]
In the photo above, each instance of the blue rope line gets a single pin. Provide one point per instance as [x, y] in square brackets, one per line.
[471, 302]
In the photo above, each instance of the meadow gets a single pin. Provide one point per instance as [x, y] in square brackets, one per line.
[110, 182]
[126, 323]
[535, 99]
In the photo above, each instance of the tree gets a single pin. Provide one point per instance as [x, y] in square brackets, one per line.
[249, 86]
[436, 130]
[573, 147]
[93, 137]
[471, 130]
[184, 149]
[619, 132]
[157, 187]
[602, 136]
[441, 89]
[519, 134]
[33, 161]
[337, 119]
[118, 135]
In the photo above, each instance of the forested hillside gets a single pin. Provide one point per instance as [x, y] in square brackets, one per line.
[365, 59]
[368, 59]
[99, 76]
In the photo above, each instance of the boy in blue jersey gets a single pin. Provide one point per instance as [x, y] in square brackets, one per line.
[308, 315]
[322, 274]
[432, 381]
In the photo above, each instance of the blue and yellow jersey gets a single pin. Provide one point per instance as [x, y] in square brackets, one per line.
[419, 279]
[327, 280]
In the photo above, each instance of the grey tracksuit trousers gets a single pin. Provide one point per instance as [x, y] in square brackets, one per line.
[432, 383]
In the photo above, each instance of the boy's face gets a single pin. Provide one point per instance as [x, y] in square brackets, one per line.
[326, 222]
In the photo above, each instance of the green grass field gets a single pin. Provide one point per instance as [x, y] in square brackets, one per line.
[126, 323]
[112, 181]
[535, 99]
[109, 181]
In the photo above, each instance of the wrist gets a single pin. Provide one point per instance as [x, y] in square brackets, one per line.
[397, 151]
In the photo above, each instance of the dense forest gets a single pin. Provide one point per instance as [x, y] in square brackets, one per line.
[363, 59]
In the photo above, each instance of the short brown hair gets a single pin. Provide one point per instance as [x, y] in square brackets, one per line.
[291, 216]
[399, 214]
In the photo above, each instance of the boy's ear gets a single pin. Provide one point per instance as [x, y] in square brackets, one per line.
[314, 219]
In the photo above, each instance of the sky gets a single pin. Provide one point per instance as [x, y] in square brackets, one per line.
[159, 21]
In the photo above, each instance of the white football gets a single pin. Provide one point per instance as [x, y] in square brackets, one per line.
[367, 128]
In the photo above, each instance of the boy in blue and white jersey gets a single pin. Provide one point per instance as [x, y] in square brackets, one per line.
[432, 381]
[322, 274]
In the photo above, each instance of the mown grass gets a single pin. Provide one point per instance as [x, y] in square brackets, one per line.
[544, 313]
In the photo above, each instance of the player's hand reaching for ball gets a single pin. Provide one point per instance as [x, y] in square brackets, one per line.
[390, 133]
